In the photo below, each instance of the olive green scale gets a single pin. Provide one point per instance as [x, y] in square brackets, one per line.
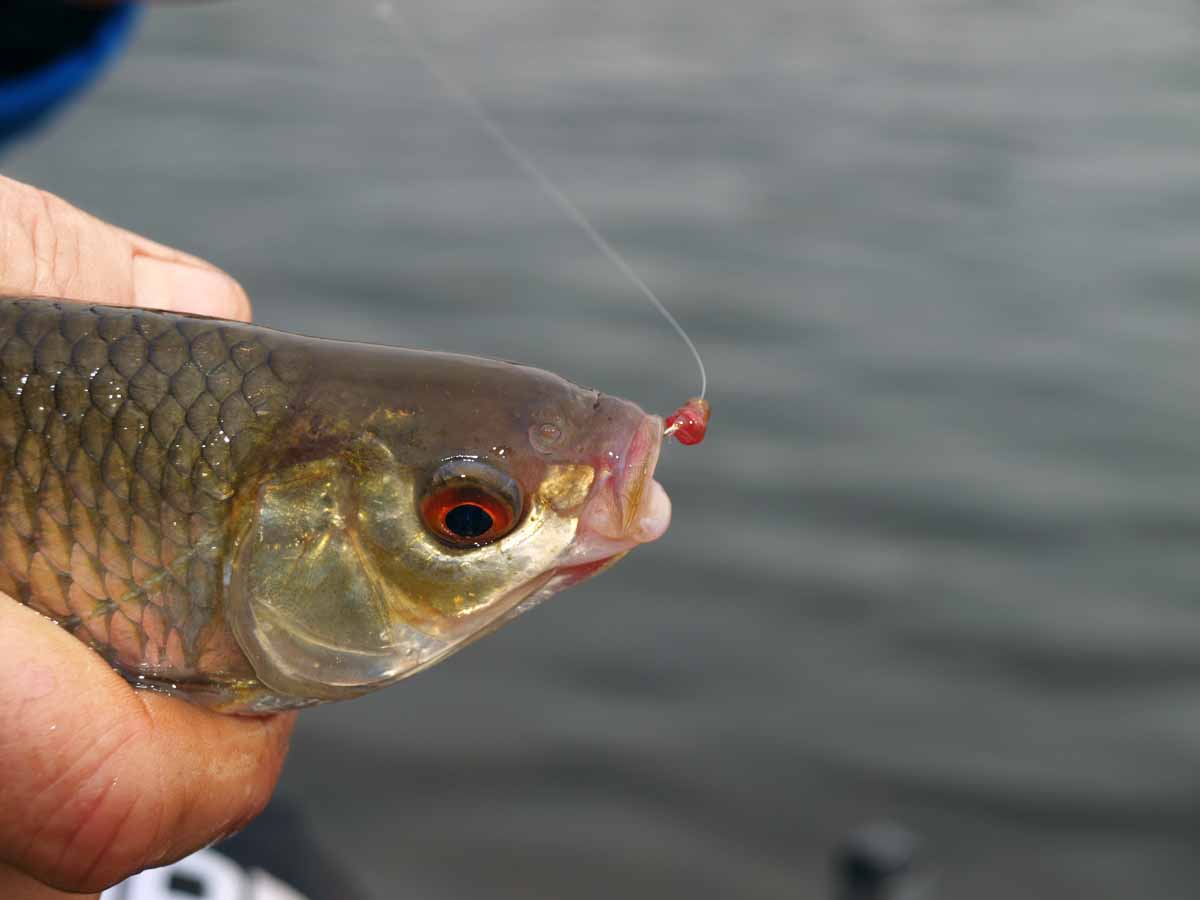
[123, 433]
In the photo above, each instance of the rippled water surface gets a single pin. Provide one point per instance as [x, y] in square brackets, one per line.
[938, 561]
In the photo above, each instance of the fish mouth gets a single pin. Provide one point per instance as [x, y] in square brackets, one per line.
[627, 506]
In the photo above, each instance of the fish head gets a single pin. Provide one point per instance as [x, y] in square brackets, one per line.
[420, 526]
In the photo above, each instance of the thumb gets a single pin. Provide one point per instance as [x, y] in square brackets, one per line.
[99, 780]
[49, 248]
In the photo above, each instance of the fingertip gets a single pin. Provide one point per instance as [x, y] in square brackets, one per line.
[226, 766]
[177, 286]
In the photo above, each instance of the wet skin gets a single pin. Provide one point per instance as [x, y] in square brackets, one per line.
[241, 516]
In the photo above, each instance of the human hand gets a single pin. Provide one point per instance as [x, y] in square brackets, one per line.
[98, 780]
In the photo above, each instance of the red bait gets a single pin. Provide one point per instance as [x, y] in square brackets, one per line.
[689, 423]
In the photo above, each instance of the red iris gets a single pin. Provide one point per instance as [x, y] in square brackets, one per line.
[467, 515]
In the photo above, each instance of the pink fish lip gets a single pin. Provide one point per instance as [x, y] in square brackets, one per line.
[627, 507]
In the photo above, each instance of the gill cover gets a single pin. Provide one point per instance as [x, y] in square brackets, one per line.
[336, 586]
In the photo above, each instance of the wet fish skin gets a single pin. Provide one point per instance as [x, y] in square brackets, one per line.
[121, 433]
[229, 513]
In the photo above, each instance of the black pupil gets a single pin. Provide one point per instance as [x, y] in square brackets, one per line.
[468, 520]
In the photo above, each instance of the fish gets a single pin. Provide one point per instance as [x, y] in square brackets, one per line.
[255, 520]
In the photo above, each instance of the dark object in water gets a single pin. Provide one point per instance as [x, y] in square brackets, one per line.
[881, 861]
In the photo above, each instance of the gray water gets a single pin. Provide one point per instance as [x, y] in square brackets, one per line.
[937, 562]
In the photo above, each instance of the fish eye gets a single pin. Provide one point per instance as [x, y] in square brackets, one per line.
[470, 504]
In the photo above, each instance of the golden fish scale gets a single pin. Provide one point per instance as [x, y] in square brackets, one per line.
[122, 435]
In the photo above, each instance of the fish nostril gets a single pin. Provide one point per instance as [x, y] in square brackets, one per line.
[545, 436]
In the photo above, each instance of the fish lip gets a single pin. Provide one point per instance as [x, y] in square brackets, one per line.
[641, 457]
[627, 506]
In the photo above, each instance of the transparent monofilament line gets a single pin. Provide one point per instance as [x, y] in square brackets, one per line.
[388, 13]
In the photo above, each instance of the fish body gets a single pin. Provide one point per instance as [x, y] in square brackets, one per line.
[257, 520]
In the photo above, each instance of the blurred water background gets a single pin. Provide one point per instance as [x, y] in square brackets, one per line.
[938, 560]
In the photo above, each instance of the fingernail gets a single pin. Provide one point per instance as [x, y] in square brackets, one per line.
[175, 287]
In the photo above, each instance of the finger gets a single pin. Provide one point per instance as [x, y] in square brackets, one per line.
[100, 780]
[49, 248]
[17, 885]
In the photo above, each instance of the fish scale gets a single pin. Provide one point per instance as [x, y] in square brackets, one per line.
[120, 435]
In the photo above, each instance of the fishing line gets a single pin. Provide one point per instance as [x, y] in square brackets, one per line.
[691, 419]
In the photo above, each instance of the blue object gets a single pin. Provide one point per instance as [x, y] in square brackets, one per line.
[28, 99]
